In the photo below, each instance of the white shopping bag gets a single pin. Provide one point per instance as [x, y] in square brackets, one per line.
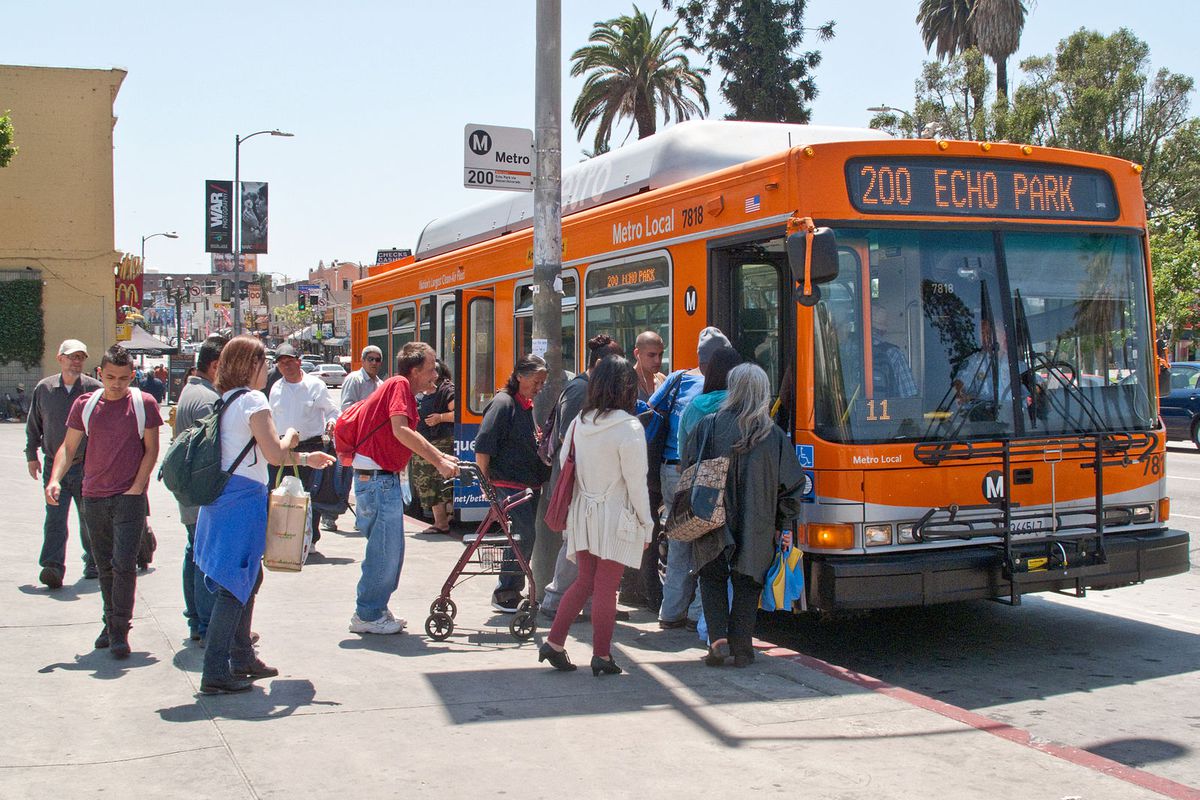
[289, 526]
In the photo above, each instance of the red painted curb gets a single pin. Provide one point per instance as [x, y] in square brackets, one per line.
[1163, 786]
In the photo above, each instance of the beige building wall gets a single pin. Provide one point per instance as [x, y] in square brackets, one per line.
[56, 200]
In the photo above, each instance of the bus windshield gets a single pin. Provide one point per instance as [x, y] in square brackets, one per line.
[958, 334]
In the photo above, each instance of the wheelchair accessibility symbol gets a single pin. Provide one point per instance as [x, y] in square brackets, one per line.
[804, 452]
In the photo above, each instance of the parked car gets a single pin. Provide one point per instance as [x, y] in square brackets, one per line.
[332, 374]
[311, 358]
[308, 366]
[1180, 410]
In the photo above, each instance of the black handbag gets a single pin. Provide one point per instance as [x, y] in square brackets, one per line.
[658, 428]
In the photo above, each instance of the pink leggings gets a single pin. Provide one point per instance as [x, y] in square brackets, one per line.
[598, 579]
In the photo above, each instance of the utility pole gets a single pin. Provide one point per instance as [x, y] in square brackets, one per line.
[547, 191]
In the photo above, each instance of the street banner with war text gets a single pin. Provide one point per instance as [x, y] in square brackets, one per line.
[218, 216]
[254, 217]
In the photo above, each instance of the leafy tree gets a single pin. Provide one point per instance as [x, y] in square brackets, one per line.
[292, 318]
[631, 73]
[7, 149]
[754, 42]
[1096, 94]
[1175, 254]
[949, 102]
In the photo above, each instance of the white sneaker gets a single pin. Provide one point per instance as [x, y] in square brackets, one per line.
[403, 622]
[384, 625]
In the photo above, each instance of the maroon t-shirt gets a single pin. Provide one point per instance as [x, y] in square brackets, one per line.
[393, 398]
[114, 450]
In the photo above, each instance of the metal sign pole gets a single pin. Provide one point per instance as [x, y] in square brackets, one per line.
[547, 193]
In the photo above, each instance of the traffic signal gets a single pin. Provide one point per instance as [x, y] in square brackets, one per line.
[302, 303]
[226, 290]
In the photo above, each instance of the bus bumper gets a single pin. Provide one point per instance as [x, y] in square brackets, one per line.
[927, 577]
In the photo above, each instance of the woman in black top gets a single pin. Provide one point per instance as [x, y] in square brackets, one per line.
[436, 410]
[506, 452]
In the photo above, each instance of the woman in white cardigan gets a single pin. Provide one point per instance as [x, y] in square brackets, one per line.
[609, 522]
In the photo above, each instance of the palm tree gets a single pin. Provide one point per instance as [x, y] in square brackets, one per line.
[946, 23]
[631, 73]
[998, 25]
[994, 26]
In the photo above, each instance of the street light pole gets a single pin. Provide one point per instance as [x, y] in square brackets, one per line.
[168, 234]
[237, 224]
[547, 191]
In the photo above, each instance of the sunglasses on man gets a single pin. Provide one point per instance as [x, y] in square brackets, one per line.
[373, 359]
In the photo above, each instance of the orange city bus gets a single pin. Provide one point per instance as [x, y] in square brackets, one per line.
[959, 336]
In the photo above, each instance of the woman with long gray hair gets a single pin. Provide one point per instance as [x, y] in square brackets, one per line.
[762, 498]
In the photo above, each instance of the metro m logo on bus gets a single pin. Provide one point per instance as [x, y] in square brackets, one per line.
[993, 486]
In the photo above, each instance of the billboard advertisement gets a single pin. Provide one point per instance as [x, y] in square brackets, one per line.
[218, 216]
[127, 276]
[254, 217]
[224, 263]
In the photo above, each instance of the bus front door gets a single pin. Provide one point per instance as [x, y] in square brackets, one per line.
[751, 302]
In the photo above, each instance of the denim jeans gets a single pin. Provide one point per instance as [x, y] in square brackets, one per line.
[379, 515]
[115, 525]
[54, 533]
[546, 546]
[228, 637]
[197, 599]
[679, 596]
[512, 579]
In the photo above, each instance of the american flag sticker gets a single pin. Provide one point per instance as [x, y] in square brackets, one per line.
[753, 204]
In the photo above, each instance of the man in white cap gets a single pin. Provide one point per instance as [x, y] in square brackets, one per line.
[45, 429]
[301, 401]
[361, 384]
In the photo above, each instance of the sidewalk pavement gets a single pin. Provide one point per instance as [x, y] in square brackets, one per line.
[476, 715]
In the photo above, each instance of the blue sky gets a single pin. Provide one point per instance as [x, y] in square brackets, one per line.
[377, 94]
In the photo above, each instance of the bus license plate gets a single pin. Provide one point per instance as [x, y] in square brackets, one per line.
[1028, 526]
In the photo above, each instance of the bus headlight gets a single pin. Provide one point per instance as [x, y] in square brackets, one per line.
[906, 533]
[1143, 513]
[877, 535]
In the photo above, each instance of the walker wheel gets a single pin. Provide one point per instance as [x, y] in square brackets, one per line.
[523, 625]
[443, 605]
[439, 626]
[526, 606]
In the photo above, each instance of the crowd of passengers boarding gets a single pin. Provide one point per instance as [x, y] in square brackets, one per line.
[621, 431]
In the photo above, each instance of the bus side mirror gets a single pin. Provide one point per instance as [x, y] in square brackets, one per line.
[1164, 378]
[813, 260]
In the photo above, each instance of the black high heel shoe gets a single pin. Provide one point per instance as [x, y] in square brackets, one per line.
[604, 665]
[557, 658]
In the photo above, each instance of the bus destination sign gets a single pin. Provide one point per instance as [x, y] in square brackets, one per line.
[979, 187]
[626, 278]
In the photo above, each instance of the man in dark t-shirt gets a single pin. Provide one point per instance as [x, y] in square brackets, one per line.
[122, 430]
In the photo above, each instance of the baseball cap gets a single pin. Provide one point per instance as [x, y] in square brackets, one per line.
[711, 340]
[285, 351]
[72, 346]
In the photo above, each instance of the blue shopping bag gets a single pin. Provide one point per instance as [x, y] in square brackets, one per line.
[783, 584]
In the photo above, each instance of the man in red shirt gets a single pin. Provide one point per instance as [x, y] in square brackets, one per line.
[122, 431]
[388, 424]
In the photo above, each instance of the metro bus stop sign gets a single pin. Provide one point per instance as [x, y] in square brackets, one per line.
[495, 157]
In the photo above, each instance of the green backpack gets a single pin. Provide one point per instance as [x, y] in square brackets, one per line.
[191, 468]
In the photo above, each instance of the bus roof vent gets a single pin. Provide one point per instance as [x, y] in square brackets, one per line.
[683, 151]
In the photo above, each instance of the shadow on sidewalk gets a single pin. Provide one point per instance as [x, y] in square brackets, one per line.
[284, 697]
[68, 592]
[102, 665]
[317, 557]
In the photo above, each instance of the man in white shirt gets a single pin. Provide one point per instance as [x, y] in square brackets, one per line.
[301, 401]
[360, 384]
